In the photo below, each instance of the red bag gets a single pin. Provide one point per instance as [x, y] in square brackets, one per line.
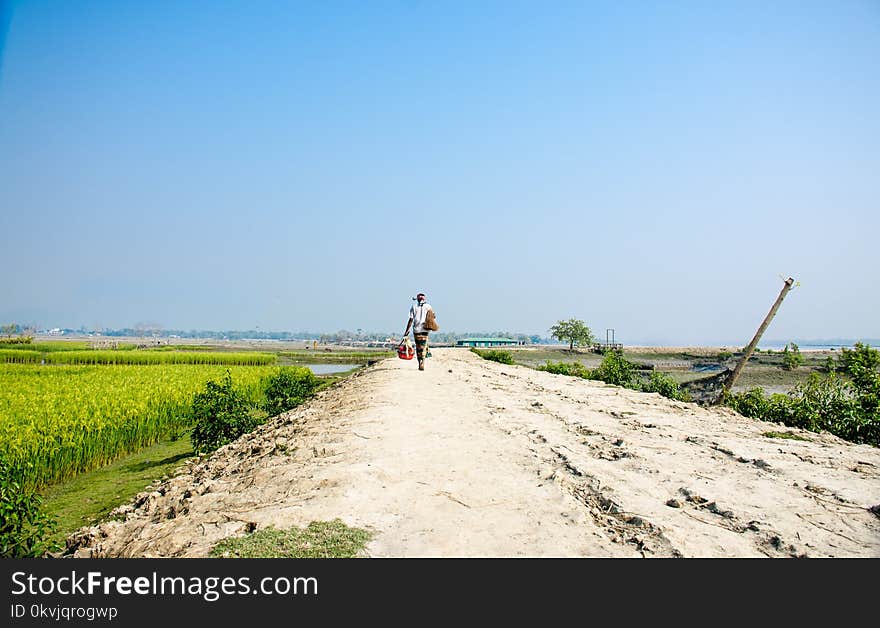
[405, 350]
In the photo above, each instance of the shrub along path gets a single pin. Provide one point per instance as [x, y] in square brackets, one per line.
[476, 458]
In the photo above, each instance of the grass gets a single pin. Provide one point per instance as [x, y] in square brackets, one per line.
[88, 498]
[788, 435]
[321, 539]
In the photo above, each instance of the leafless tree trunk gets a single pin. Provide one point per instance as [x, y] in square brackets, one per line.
[749, 349]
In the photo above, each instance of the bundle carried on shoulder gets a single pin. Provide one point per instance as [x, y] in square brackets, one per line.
[431, 321]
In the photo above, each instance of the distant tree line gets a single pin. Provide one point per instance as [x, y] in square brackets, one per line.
[341, 336]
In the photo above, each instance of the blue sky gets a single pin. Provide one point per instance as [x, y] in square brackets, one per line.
[654, 167]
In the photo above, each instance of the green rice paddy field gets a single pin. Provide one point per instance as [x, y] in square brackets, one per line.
[61, 420]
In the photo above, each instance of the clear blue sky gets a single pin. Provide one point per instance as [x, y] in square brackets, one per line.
[653, 167]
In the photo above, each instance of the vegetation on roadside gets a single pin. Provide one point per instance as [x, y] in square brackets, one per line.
[664, 385]
[844, 402]
[321, 539]
[574, 369]
[287, 388]
[221, 413]
[90, 497]
[495, 355]
[618, 371]
[23, 525]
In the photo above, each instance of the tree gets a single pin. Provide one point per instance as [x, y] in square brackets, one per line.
[791, 357]
[574, 331]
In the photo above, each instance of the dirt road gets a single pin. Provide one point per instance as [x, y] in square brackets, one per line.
[475, 458]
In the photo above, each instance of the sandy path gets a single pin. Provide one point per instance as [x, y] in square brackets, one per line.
[475, 458]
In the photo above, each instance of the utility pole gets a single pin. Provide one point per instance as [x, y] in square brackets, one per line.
[731, 380]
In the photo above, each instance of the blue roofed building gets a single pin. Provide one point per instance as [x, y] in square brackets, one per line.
[486, 342]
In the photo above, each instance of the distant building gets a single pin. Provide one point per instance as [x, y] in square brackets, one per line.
[486, 342]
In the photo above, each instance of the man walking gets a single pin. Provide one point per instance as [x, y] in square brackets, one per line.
[417, 315]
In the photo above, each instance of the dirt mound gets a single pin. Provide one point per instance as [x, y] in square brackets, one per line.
[475, 458]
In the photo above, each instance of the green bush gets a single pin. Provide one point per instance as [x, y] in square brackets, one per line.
[23, 526]
[495, 355]
[288, 388]
[861, 364]
[575, 369]
[791, 357]
[821, 403]
[827, 403]
[617, 370]
[751, 403]
[666, 386]
[221, 414]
